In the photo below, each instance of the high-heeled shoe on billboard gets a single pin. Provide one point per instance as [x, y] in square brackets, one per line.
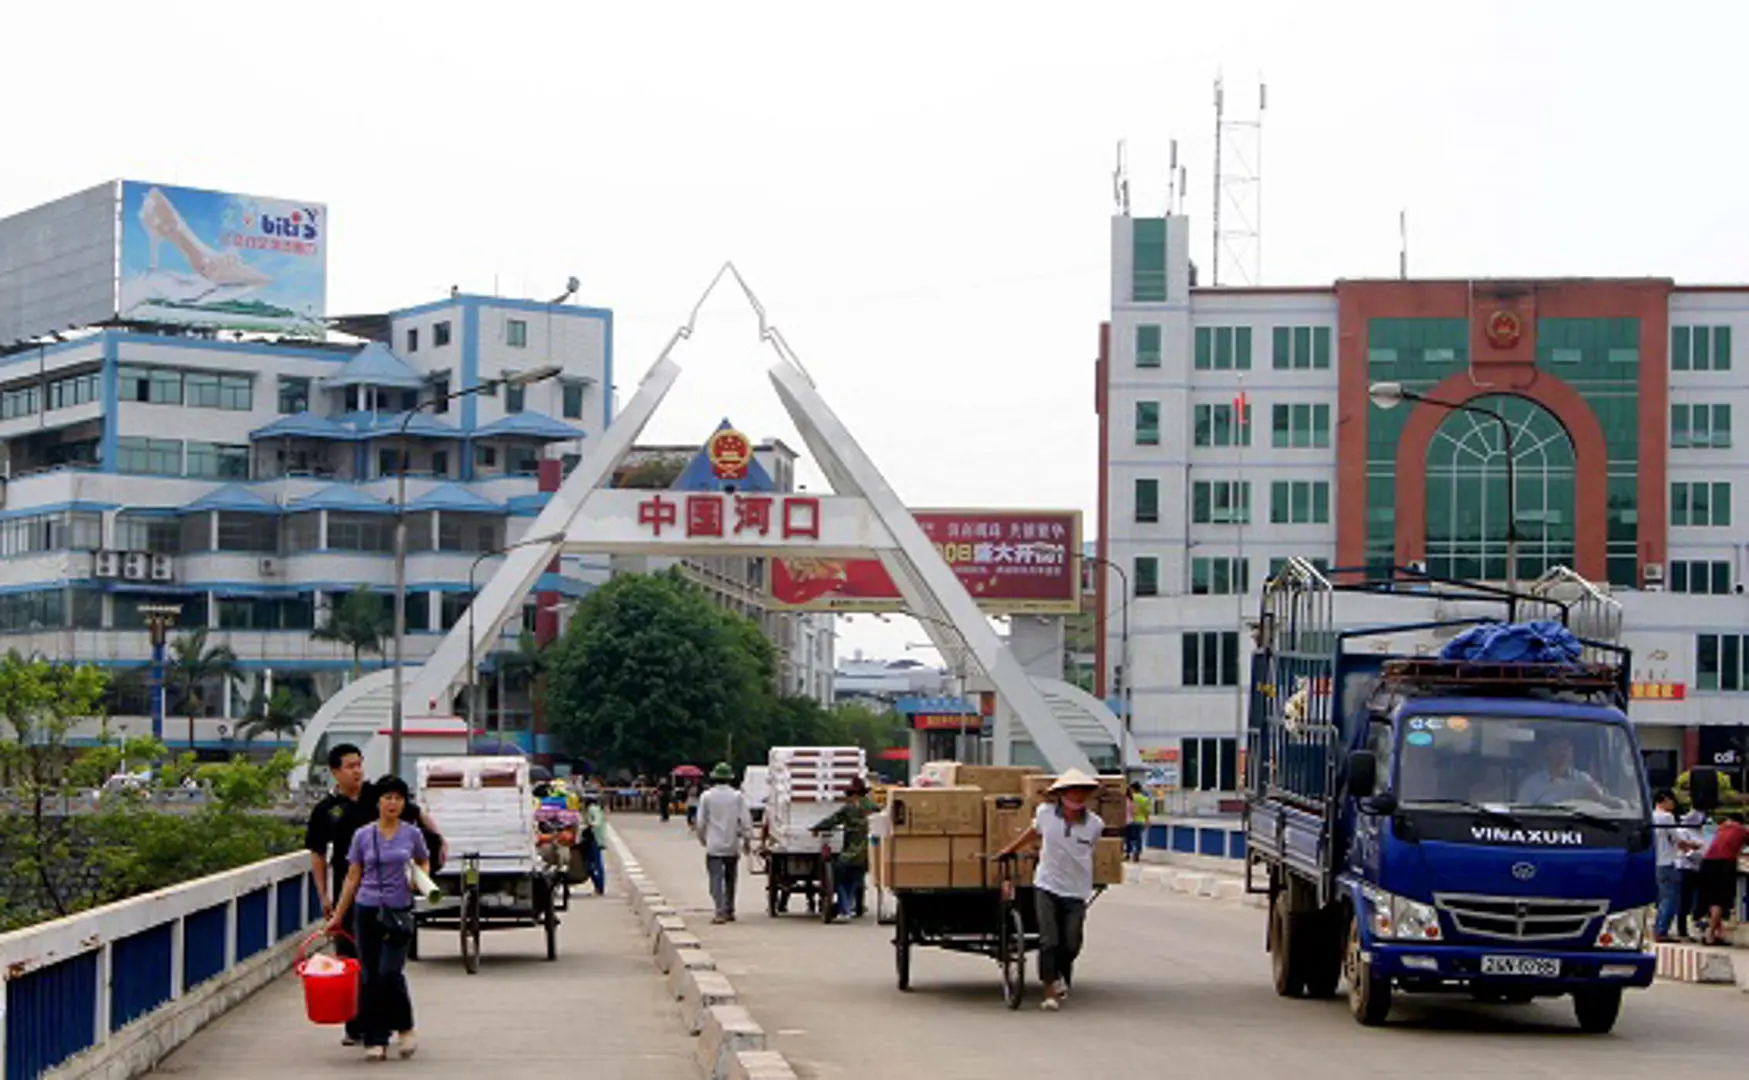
[164, 225]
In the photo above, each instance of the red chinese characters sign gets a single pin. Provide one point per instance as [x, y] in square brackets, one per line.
[713, 516]
[1009, 560]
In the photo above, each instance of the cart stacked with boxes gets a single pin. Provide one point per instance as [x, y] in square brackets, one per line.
[806, 785]
[935, 854]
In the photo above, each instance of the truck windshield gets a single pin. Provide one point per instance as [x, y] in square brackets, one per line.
[1520, 763]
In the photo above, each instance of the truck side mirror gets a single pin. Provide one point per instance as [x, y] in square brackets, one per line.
[1703, 788]
[1363, 773]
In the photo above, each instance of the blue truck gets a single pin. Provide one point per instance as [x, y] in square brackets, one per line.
[1424, 822]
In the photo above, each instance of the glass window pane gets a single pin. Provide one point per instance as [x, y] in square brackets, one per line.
[1204, 349]
[1199, 576]
[1302, 346]
[1302, 425]
[1679, 504]
[1278, 500]
[1679, 426]
[1679, 345]
[1302, 498]
[1242, 348]
[1279, 348]
[1321, 347]
[1223, 348]
[1320, 503]
[1721, 575]
[1281, 420]
[1721, 348]
[1321, 426]
[1203, 424]
[1199, 502]
[1730, 662]
[1702, 352]
[1721, 504]
[1190, 667]
[1721, 426]
[1707, 662]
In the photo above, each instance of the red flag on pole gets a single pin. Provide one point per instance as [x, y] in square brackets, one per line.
[1241, 406]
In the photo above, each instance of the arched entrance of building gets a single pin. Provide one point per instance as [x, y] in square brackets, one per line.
[1467, 497]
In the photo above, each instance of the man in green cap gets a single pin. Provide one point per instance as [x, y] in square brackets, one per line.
[724, 828]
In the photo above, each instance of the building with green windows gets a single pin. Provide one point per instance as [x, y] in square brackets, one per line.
[1236, 430]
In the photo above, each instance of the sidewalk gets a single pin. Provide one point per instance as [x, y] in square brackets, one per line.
[598, 1009]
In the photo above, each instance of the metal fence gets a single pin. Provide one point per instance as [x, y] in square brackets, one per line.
[73, 984]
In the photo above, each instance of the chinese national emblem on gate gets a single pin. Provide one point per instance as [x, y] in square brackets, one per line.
[729, 453]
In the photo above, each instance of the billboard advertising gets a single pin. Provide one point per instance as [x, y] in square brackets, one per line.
[219, 261]
[1011, 561]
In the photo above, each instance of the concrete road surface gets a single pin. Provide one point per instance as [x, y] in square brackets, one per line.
[599, 1011]
[1167, 985]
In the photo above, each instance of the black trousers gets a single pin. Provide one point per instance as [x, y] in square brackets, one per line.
[385, 1006]
[1690, 902]
[1061, 920]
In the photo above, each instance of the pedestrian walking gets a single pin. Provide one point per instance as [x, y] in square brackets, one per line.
[725, 827]
[850, 866]
[665, 797]
[1718, 878]
[1066, 834]
[380, 900]
[692, 797]
[1688, 907]
[1672, 843]
[1136, 828]
[595, 826]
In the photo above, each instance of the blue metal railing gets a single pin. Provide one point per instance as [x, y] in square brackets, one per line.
[251, 923]
[51, 1014]
[203, 945]
[143, 974]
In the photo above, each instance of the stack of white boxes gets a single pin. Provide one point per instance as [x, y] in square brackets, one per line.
[808, 783]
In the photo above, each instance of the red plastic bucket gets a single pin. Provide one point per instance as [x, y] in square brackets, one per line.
[330, 998]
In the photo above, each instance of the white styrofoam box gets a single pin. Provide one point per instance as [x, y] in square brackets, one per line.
[493, 822]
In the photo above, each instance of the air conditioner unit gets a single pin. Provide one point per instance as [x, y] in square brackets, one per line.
[163, 568]
[268, 567]
[1654, 571]
[107, 564]
[136, 566]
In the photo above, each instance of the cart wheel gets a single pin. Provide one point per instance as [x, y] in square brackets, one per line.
[828, 892]
[552, 924]
[470, 926]
[901, 944]
[1012, 946]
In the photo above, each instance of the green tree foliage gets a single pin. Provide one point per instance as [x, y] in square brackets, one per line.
[361, 623]
[282, 714]
[191, 665]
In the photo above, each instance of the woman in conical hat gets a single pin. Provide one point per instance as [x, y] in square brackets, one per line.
[1066, 834]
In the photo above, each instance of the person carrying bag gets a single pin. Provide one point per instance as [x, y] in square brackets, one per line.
[380, 899]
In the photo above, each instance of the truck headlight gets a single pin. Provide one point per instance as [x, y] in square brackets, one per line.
[1623, 930]
[1398, 918]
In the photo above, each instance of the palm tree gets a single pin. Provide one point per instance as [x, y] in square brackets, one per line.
[282, 714]
[361, 622]
[521, 667]
[191, 665]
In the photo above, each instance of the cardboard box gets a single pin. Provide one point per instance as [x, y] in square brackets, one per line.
[918, 862]
[1024, 866]
[990, 779]
[937, 812]
[1036, 785]
[1005, 818]
[921, 876]
[1108, 861]
[968, 862]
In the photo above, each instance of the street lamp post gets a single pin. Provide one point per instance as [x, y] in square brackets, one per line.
[159, 619]
[1125, 697]
[473, 649]
[1388, 395]
[396, 714]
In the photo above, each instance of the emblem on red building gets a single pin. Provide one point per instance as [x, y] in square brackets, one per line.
[1504, 329]
[729, 453]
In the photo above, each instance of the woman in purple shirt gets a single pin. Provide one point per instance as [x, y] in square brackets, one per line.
[383, 919]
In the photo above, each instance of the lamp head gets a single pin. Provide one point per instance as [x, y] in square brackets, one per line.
[540, 373]
[1387, 395]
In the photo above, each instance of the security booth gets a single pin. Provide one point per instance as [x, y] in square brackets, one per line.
[943, 729]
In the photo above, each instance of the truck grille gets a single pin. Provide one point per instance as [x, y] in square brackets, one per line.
[1519, 918]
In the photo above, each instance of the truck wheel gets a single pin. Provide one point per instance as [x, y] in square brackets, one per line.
[1597, 1009]
[1284, 960]
[1321, 949]
[1369, 996]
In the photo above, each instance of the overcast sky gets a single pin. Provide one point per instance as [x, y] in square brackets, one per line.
[918, 193]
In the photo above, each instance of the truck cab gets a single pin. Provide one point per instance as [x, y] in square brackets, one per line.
[1447, 822]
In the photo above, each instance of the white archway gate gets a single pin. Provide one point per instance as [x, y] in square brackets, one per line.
[862, 517]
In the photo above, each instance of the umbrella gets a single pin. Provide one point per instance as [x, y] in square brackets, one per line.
[495, 748]
[688, 772]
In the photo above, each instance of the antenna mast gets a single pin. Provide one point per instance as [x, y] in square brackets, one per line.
[1239, 189]
[1120, 183]
[1172, 181]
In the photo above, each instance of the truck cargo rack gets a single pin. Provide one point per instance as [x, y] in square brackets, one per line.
[1500, 675]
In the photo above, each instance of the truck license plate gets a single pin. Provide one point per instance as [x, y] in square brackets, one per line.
[1534, 966]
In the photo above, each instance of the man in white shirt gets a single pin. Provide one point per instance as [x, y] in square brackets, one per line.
[1672, 843]
[1066, 833]
[724, 827]
[1558, 781]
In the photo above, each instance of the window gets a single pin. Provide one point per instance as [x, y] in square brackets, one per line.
[1211, 658]
[74, 390]
[1148, 260]
[218, 461]
[439, 396]
[455, 605]
[140, 532]
[413, 339]
[572, 392]
[1223, 348]
[521, 460]
[1147, 423]
[1301, 426]
[267, 613]
[57, 531]
[1279, 563]
[1147, 500]
[418, 606]
[440, 462]
[1210, 764]
[1147, 575]
[303, 531]
[514, 398]
[155, 386]
[1301, 348]
[1701, 576]
[1698, 427]
[1721, 661]
[1148, 346]
[1700, 503]
[294, 394]
[469, 532]
[360, 532]
[1299, 502]
[388, 463]
[1700, 348]
[209, 391]
[248, 532]
[486, 457]
[1215, 426]
[24, 401]
[154, 457]
[409, 400]
[1220, 502]
[516, 333]
[440, 334]
[1219, 576]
